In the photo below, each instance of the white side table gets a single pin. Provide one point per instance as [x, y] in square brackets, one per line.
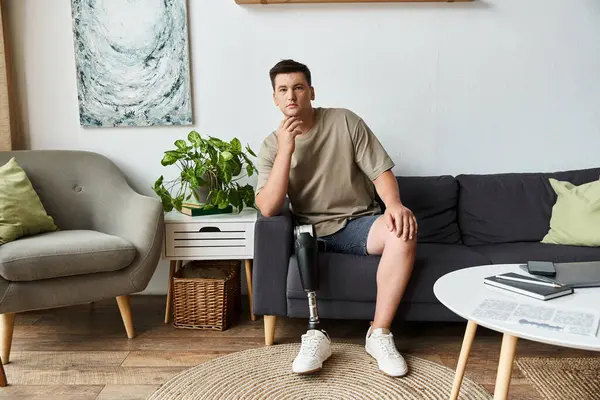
[210, 237]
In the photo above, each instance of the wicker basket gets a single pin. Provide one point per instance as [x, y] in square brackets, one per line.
[206, 295]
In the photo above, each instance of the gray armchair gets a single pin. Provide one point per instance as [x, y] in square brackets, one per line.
[108, 245]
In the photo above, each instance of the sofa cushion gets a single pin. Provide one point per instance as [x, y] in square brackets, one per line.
[63, 253]
[353, 278]
[505, 208]
[513, 253]
[21, 210]
[575, 217]
[433, 200]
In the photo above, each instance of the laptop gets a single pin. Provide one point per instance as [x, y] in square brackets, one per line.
[576, 274]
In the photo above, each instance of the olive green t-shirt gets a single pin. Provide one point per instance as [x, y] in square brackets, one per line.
[331, 171]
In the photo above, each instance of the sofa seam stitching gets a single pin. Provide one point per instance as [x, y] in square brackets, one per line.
[61, 254]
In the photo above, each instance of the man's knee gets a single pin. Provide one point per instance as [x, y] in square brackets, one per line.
[377, 237]
[392, 241]
[381, 238]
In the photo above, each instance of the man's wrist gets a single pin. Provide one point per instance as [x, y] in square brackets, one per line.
[392, 202]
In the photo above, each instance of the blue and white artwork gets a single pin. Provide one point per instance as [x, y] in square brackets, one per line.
[132, 60]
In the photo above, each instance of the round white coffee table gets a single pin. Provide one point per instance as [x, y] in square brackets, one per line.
[464, 293]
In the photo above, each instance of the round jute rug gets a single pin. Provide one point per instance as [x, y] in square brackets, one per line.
[350, 373]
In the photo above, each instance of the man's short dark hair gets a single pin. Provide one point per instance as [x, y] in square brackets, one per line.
[288, 67]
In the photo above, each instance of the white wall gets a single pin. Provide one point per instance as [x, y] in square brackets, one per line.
[489, 86]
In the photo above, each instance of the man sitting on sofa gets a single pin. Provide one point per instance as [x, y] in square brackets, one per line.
[330, 164]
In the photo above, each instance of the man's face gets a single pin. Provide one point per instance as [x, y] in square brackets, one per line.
[292, 94]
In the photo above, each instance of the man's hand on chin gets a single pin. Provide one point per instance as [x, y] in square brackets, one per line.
[400, 220]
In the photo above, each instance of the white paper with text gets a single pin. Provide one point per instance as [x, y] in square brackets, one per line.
[543, 316]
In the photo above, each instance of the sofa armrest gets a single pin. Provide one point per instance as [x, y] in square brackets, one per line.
[147, 213]
[273, 240]
[136, 218]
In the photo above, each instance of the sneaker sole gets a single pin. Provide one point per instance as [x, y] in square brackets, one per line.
[394, 376]
[382, 371]
[312, 371]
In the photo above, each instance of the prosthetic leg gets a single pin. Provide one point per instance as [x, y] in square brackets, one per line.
[307, 254]
[315, 348]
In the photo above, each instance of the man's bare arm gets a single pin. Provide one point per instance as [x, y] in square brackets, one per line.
[398, 218]
[271, 197]
[387, 188]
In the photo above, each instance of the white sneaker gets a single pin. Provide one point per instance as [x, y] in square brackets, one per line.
[315, 349]
[380, 345]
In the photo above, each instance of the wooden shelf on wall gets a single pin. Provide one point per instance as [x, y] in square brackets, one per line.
[344, 1]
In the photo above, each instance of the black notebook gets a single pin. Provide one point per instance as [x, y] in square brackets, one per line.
[538, 291]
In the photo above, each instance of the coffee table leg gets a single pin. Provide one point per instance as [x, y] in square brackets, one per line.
[465, 350]
[507, 355]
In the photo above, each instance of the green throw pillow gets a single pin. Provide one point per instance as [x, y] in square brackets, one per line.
[21, 211]
[576, 214]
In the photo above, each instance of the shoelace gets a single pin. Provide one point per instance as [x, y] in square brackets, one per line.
[387, 346]
[310, 345]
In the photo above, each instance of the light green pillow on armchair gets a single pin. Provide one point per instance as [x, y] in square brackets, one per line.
[21, 211]
[576, 214]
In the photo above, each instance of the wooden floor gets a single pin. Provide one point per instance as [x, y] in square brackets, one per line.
[82, 352]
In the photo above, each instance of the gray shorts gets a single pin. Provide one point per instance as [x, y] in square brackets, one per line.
[351, 239]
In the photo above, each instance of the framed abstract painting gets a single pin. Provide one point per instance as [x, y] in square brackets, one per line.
[132, 60]
[343, 1]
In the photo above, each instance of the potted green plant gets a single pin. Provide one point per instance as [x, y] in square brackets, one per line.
[209, 173]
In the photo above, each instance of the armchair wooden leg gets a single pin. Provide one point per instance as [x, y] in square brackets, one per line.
[269, 329]
[125, 309]
[8, 326]
[3, 381]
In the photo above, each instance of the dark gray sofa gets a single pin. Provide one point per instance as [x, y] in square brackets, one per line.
[464, 221]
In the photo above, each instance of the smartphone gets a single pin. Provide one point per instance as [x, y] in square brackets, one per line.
[543, 268]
